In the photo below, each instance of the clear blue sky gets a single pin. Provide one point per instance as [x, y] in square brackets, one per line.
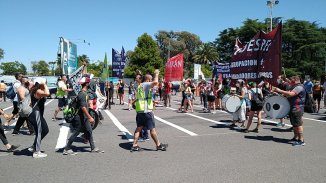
[30, 29]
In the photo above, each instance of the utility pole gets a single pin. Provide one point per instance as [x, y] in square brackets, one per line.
[271, 4]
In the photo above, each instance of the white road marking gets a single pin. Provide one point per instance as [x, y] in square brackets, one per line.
[176, 126]
[63, 136]
[322, 121]
[123, 129]
[8, 108]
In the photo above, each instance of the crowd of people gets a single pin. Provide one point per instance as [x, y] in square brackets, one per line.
[146, 93]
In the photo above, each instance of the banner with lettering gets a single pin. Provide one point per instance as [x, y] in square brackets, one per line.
[222, 69]
[116, 64]
[261, 56]
[174, 68]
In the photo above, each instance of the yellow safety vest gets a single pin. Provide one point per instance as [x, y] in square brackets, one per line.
[140, 100]
[60, 92]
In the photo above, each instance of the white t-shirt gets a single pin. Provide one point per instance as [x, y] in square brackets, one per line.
[16, 86]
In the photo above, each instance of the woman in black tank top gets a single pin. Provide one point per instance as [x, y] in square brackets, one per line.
[38, 94]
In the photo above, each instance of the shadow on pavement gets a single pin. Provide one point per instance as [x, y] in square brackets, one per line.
[23, 152]
[281, 129]
[219, 126]
[268, 138]
[126, 145]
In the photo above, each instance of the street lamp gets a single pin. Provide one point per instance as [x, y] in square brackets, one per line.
[271, 4]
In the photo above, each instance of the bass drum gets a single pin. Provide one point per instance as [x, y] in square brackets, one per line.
[276, 107]
[231, 103]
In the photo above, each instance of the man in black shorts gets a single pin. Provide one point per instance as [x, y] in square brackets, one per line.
[296, 96]
[144, 106]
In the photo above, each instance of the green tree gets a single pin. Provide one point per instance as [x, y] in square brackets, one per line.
[10, 68]
[83, 59]
[145, 57]
[95, 68]
[206, 54]
[225, 43]
[1, 53]
[41, 68]
[177, 42]
[58, 69]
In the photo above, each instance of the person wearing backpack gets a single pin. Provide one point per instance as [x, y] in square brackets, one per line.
[296, 96]
[83, 120]
[256, 99]
[15, 85]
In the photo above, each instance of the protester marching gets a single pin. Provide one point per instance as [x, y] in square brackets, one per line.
[249, 89]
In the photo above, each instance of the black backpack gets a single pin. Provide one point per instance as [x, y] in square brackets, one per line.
[10, 93]
[257, 102]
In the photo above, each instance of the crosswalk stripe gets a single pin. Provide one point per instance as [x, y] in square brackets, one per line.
[176, 126]
[63, 136]
[123, 129]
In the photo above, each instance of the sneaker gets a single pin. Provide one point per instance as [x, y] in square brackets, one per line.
[233, 125]
[245, 131]
[293, 140]
[97, 150]
[141, 140]
[12, 148]
[255, 130]
[298, 143]
[39, 155]
[68, 152]
[135, 148]
[30, 149]
[162, 147]
[54, 119]
[147, 139]
[280, 124]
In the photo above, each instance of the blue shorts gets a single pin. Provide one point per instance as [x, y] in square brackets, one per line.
[62, 102]
[145, 120]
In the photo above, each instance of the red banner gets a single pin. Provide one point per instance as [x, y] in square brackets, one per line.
[261, 56]
[174, 68]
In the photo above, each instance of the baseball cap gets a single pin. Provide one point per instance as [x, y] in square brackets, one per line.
[84, 80]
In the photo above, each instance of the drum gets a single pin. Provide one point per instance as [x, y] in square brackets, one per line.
[231, 103]
[276, 107]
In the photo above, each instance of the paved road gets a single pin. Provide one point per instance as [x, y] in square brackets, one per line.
[201, 149]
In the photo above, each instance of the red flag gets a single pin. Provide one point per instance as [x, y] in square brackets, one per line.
[174, 68]
[261, 56]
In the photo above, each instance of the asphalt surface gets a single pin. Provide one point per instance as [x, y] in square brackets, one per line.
[201, 149]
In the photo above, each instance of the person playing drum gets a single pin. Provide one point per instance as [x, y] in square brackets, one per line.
[240, 114]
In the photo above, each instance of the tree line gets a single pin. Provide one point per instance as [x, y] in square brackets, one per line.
[303, 50]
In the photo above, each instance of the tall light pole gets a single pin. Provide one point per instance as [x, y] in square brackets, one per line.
[271, 4]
